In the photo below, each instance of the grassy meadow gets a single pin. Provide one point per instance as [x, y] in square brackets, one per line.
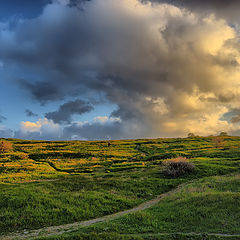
[47, 183]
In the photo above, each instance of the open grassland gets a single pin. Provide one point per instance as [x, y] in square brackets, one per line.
[51, 183]
[204, 209]
[207, 205]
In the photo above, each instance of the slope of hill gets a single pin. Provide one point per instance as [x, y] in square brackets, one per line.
[52, 183]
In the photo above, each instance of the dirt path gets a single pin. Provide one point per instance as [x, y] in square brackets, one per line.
[58, 230]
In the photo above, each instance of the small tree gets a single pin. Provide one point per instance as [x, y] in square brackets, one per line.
[5, 146]
[191, 135]
[223, 134]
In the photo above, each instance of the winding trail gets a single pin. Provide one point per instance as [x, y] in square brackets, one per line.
[58, 230]
[67, 228]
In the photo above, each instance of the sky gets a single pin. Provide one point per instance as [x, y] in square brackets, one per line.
[119, 69]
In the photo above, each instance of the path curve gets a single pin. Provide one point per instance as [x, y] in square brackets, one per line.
[66, 228]
[58, 230]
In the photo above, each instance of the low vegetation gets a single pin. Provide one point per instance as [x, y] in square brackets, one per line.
[52, 183]
[117, 236]
[207, 205]
[200, 209]
[176, 167]
[5, 146]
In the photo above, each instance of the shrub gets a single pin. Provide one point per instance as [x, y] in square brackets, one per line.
[5, 146]
[219, 142]
[177, 167]
[19, 156]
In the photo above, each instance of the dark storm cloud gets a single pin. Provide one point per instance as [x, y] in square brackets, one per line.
[29, 113]
[236, 119]
[199, 3]
[228, 9]
[42, 91]
[226, 97]
[232, 116]
[67, 110]
[235, 115]
[155, 62]
[77, 3]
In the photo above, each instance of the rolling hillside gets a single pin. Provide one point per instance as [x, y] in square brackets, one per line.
[54, 183]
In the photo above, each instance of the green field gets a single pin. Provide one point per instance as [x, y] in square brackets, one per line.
[54, 183]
